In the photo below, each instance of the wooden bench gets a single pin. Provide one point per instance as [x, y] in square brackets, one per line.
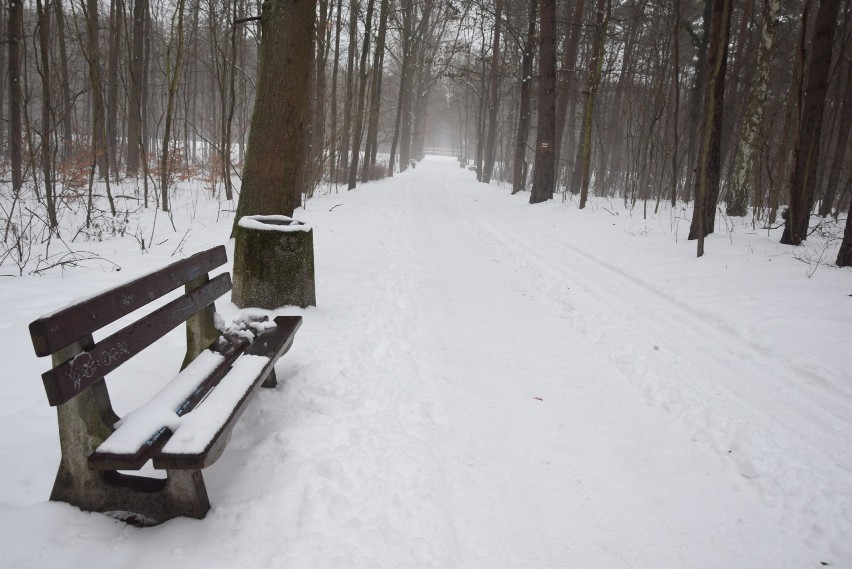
[186, 425]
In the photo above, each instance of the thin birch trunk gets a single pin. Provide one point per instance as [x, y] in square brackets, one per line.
[744, 162]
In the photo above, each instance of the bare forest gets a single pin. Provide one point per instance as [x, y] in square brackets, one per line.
[739, 107]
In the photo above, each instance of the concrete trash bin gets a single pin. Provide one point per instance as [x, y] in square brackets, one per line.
[273, 262]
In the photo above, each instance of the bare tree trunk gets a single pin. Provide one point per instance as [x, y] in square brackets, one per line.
[397, 126]
[220, 73]
[844, 256]
[349, 96]
[335, 143]
[481, 116]
[4, 29]
[845, 123]
[493, 96]
[278, 121]
[16, 144]
[227, 139]
[101, 158]
[403, 91]
[409, 136]
[115, 10]
[318, 100]
[46, 131]
[362, 96]
[807, 147]
[305, 168]
[595, 68]
[748, 147]
[544, 177]
[519, 172]
[67, 111]
[567, 88]
[405, 126]
[570, 149]
[676, 97]
[694, 119]
[736, 85]
[607, 129]
[136, 110]
[707, 171]
[173, 77]
[242, 119]
[781, 157]
[148, 137]
[421, 107]
[408, 104]
[372, 146]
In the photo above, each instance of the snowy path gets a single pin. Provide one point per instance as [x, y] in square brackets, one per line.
[537, 363]
[485, 385]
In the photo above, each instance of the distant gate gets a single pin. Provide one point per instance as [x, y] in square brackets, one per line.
[435, 151]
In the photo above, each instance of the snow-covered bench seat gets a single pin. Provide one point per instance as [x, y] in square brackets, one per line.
[186, 425]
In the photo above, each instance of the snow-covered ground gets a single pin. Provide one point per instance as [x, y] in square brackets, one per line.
[485, 384]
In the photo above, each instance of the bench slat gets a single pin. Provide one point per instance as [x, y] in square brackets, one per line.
[217, 438]
[198, 430]
[271, 344]
[142, 432]
[67, 380]
[275, 342]
[149, 436]
[55, 331]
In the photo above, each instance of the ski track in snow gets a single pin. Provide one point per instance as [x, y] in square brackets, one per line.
[477, 389]
[543, 282]
[721, 389]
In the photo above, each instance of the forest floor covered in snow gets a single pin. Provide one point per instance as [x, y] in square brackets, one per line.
[484, 384]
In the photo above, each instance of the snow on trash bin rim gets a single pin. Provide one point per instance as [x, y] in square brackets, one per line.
[273, 223]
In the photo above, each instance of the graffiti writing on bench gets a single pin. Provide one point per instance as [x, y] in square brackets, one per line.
[88, 365]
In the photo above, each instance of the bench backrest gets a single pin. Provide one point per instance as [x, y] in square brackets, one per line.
[77, 322]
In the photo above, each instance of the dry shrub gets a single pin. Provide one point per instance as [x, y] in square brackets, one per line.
[377, 171]
[73, 173]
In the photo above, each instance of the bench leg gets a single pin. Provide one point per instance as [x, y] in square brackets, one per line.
[136, 499]
[200, 328]
[271, 380]
[139, 499]
[186, 494]
[84, 423]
